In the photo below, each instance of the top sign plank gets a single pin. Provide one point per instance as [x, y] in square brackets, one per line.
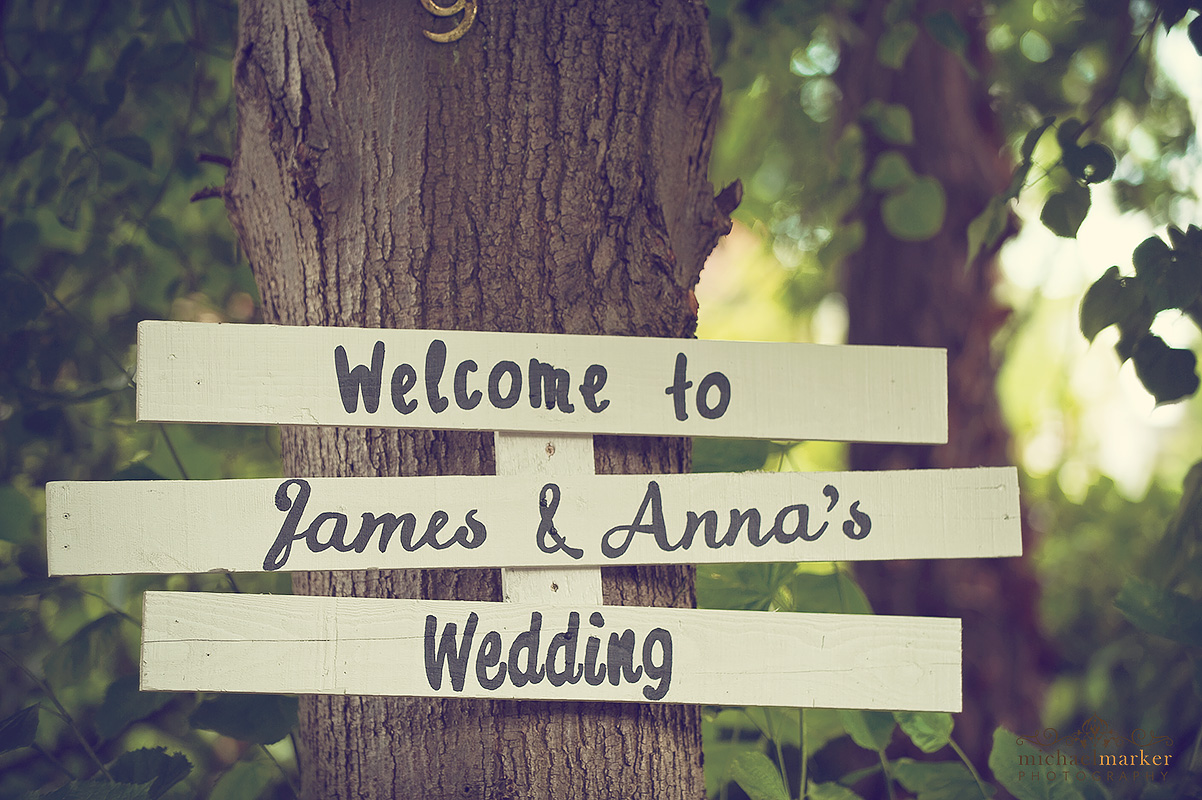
[264, 374]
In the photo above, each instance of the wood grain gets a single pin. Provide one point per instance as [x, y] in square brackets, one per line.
[200, 526]
[289, 375]
[371, 646]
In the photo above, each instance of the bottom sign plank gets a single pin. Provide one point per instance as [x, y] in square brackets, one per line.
[340, 645]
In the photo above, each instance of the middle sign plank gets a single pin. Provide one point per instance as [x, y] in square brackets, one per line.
[525, 521]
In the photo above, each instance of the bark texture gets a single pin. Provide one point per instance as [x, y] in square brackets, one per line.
[923, 293]
[546, 173]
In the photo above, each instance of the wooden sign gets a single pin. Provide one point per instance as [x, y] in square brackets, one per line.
[263, 374]
[545, 519]
[339, 645]
[528, 521]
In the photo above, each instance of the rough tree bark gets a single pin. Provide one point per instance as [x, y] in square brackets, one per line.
[923, 293]
[546, 173]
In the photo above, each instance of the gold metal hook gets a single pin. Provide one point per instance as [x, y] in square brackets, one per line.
[468, 7]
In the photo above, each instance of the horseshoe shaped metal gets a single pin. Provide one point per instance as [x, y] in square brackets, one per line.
[468, 7]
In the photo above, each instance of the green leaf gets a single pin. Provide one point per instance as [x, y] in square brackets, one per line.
[1184, 528]
[19, 730]
[70, 201]
[21, 242]
[23, 100]
[1177, 238]
[1169, 374]
[258, 718]
[98, 790]
[1173, 11]
[928, 730]
[1150, 255]
[124, 704]
[722, 741]
[114, 94]
[943, 780]
[1169, 281]
[1100, 163]
[20, 303]
[1093, 163]
[891, 121]
[128, 58]
[729, 455]
[1027, 151]
[84, 651]
[1161, 612]
[758, 777]
[1111, 300]
[29, 586]
[831, 791]
[849, 153]
[1068, 133]
[47, 188]
[719, 756]
[245, 780]
[891, 171]
[895, 44]
[135, 148]
[16, 515]
[15, 621]
[137, 471]
[915, 213]
[831, 593]
[781, 725]
[987, 228]
[899, 11]
[1008, 770]
[947, 31]
[746, 586]
[1193, 239]
[162, 232]
[1064, 211]
[153, 766]
[872, 730]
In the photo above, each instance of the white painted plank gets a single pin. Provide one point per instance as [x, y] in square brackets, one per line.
[340, 645]
[541, 455]
[252, 525]
[261, 374]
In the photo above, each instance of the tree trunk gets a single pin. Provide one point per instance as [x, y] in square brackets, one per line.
[923, 293]
[545, 173]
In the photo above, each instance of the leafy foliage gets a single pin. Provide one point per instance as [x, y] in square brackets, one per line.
[262, 719]
[1167, 276]
[1078, 88]
[152, 768]
[112, 116]
[19, 729]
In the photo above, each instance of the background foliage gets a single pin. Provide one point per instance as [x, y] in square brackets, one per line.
[116, 119]
[114, 114]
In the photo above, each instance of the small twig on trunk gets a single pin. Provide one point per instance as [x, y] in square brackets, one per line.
[213, 158]
[209, 191]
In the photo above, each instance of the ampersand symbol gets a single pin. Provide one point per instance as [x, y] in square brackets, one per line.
[548, 502]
